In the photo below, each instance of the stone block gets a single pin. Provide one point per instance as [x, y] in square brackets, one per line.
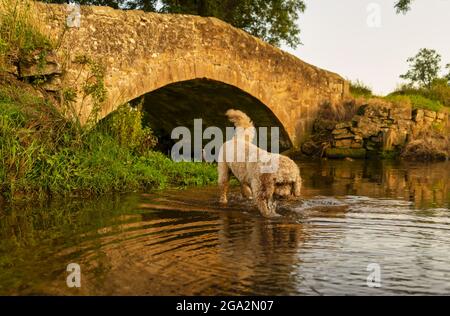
[344, 125]
[418, 115]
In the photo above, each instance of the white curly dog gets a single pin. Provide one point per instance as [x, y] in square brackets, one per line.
[264, 176]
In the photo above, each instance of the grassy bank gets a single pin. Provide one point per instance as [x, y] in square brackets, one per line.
[42, 154]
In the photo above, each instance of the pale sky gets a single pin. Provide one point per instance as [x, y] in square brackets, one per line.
[336, 36]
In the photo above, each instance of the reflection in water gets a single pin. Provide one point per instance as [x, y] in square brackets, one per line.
[182, 242]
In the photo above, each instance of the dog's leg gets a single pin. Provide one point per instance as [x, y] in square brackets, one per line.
[263, 194]
[224, 179]
[297, 187]
[246, 192]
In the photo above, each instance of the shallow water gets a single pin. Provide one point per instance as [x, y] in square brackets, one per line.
[351, 215]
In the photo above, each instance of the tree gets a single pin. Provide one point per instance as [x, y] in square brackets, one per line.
[424, 68]
[146, 5]
[403, 6]
[274, 21]
[448, 75]
[271, 20]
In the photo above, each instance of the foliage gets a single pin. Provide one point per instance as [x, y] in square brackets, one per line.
[360, 89]
[403, 6]
[424, 68]
[41, 154]
[447, 76]
[274, 21]
[125, 125]
[20, 32]
[416, 101]
[439, 92]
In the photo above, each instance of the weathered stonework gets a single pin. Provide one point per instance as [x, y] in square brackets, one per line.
[142, 52]
[383, 126]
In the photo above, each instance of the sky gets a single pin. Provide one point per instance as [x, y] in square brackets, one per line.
[367, 40]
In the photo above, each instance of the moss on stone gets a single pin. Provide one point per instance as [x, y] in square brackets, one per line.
[341, 153]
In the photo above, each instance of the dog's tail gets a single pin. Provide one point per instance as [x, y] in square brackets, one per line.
[243, 123]
[239, 119]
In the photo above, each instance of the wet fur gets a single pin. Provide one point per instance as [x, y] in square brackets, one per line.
[263, 188]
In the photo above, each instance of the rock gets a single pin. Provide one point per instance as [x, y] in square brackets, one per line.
[357, 145]
[404, 125]
[429, 120]
[344, 143]
[12, 69]
[344, 125]
[336, 153]
[52, 85]
[430, 114]
[324, 125]
[340, 131]
[400, 113]
[357, 119]
[377, 108]
[376, 139]
[34, 66]
[418, 115]
[441, 116]
[347, 135]
[310, 148]
[367, 129]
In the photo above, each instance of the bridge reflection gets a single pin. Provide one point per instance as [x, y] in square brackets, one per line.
[427, 185]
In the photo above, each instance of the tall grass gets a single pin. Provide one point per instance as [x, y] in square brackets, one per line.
[360, 89]
[438, 94]
[41, 154]
[21, 31]
[416, 101]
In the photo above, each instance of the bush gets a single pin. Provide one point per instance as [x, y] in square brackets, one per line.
[360, 89]
[20, 31]
[42, 154]
[416, 101]
[125, 125]
[438, 93]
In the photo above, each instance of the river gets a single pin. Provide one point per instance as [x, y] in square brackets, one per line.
[388, 220]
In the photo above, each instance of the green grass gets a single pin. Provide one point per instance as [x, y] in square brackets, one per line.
[360, 89]
[20, 32]
[341, 153]
[435, 97]
[416, 101]
[42, 154]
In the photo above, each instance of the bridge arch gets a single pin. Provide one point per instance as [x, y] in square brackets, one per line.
[179, 104]
[143, 52]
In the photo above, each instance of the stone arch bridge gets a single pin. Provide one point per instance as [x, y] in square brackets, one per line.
[143, 52]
